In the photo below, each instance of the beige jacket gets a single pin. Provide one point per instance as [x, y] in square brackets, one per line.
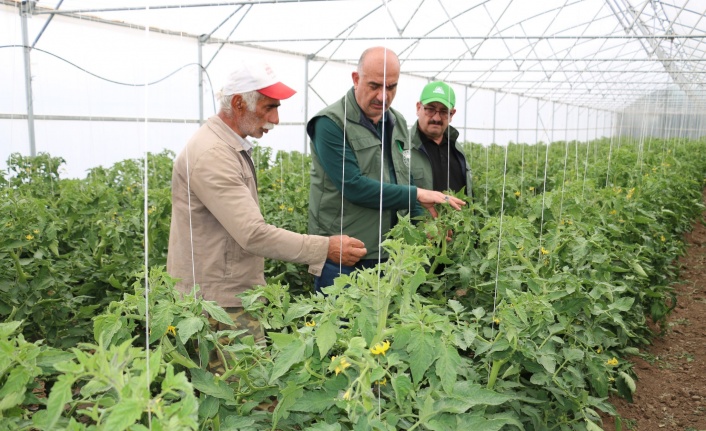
[229, 236]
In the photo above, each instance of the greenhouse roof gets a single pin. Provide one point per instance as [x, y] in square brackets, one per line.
[602, 54]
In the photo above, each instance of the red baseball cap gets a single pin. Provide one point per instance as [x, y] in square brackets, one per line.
[256, 76]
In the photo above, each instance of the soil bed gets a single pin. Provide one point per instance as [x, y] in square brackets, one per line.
[671, 373]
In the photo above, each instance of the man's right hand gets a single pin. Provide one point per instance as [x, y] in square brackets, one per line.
[428, 198]
[345, 250]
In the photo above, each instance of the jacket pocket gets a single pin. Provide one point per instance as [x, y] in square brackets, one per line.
[232, 254]
[367, 151]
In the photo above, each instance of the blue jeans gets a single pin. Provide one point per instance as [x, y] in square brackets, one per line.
[332, 270]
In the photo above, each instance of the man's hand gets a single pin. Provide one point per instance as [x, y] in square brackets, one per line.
[345, 250]
[428, 198]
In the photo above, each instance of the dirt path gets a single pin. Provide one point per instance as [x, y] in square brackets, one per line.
[671, 385]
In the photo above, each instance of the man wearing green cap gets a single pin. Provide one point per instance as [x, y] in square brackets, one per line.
[438, 162]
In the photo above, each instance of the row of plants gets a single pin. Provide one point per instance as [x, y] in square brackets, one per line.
[522, 321]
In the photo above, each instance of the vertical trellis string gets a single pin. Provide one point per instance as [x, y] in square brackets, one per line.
[146, 231]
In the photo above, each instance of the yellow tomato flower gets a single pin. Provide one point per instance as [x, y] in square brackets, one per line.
[347, 395]
[290, 209]
[29, 237]
[310, 323]
[342, 364]
[382, 382]
[613, 212]
[36, 231]
[544, 251]
[496, 320]
[518, 194]
[380, 348]
[282, 207]
[612, 362]
[599, 350]
[171, 330]
[531, 189]
[662, 238]
[151, 210]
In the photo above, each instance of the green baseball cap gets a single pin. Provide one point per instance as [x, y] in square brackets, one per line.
[438, 91]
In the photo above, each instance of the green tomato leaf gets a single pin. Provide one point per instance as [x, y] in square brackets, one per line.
[124, 414]
[188, 327]
[296, 311]
[290, 355]
[447, 365]
[217, 313]
[325, 337]
[209, 385]
[421, 355]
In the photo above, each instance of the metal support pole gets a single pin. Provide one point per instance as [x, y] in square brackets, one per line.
[201, 41]
[517, 132]
[495, 110]
[26, 9]
[306, 100]
[465, 113]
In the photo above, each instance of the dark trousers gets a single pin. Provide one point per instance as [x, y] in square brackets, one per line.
[332, 270]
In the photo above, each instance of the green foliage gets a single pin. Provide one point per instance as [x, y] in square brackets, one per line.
[521, 321]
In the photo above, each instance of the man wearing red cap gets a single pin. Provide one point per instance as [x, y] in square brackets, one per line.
[218, 238]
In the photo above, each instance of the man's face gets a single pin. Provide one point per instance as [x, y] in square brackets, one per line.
[434, 119]
[264, 118]
[373, 83]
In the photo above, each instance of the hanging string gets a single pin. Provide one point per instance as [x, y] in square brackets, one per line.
[380, 211]
[536, 144]
[343, 179]
[544, 190]
[585, 163]
[610, 150]
[500, 236]
[522, 148]
[145, 181]
[566, 159]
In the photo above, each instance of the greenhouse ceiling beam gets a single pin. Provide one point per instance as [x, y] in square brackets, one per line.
[525, 72]
[268, 49]
[175, 6]
[483, 38]
[659, 72]
[46, 24]
[662, 56]
[549, 59]
[118, 119]
[534, 81]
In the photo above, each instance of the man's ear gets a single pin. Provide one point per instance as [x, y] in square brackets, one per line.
[237, 103]
[356, 77]
[451, 113]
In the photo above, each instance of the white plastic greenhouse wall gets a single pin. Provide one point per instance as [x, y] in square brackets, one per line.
[111, 80]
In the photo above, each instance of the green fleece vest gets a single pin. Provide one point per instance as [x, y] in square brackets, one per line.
[421, 167]
[324, 198]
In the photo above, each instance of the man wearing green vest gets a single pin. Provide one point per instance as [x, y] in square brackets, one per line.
[357, 152]
[438, 161]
